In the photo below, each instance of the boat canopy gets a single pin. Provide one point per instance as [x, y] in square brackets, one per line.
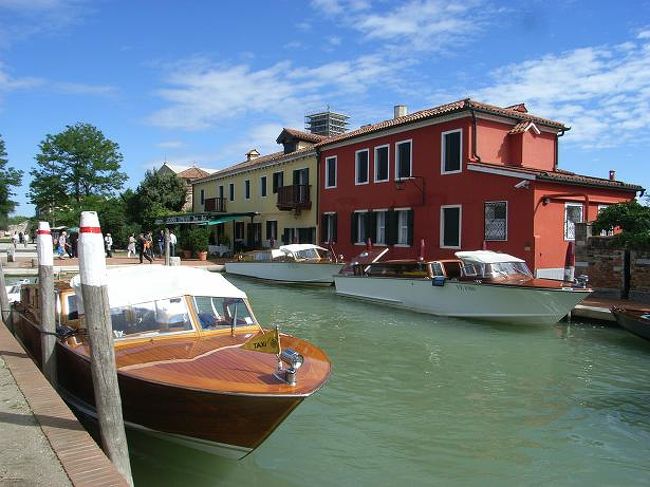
[293, 248]
[486, 257]
[140, 284]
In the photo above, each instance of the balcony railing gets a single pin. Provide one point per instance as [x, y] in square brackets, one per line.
[294, 197]
[215, 204]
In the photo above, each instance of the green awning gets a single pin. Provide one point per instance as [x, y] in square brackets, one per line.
[225, 219]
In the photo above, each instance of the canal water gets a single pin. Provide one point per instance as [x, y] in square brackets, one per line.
[421, 400]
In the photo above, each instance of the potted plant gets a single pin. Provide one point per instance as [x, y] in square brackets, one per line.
[199, 239]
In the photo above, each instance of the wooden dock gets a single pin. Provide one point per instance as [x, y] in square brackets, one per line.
[68, 453]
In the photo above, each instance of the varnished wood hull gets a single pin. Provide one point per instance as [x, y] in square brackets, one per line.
[227, 423]
[632, 321]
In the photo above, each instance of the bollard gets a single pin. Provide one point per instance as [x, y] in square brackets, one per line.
[167, 246]
[92, 273]
[46, 300]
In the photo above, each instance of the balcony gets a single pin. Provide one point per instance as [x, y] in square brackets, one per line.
[215, 204]
[294, 197]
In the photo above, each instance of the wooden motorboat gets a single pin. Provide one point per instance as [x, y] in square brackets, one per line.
[288, 264]
[481, 285]
[183, 373]
[635, 321]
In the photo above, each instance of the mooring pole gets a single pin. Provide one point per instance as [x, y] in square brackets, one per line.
[46, 299]
[5, 309]
[166, 246]
[94, 291]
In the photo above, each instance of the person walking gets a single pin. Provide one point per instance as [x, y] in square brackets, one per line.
[108, 245]
[142, 248]
[74, 238]
[14, 239]
[130, 249]
[172, 243]
[149, 238]
[63, 243]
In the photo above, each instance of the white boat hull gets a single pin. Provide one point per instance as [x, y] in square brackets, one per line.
[287, 272]
[503, 303]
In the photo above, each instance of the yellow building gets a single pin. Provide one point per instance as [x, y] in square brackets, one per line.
[264, 201]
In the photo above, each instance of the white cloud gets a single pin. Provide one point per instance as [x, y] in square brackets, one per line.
[416, 25]
[602, 92]
[201, 95]
[70, 88]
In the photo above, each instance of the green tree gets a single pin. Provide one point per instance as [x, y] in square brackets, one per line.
[9, 178]
[156, 196]
[72, 168]
[632, 218]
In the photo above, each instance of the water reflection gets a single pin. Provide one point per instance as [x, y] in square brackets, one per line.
[434, 401]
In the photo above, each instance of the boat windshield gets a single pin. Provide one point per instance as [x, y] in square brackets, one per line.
[498, 270]
[311, 254]
[158, 317]
[219, 313]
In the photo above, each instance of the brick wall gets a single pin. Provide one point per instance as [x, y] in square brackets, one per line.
[604, 263]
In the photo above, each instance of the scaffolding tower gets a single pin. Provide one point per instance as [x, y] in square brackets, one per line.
[327, 123]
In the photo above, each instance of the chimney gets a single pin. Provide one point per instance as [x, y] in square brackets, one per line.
[400, 111]
[612, 175]
[252, 154]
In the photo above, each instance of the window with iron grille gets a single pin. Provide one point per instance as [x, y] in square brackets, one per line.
[572, 215]
[496, 220]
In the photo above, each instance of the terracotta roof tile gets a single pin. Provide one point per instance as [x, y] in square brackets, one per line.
[275, 157]
[193, 173]
[456, 106]
[564, 176]
[302, 135]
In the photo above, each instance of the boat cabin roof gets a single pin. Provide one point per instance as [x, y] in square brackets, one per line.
[486, 257]
[292, 248]
[139, 284]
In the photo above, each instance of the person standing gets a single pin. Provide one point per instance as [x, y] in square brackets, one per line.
[160, 241]
[74, 238]
[149, 247]
[63, 243]
[130, 249]
[14, 239]
[172, 243]
[108, 245]
[142, 248]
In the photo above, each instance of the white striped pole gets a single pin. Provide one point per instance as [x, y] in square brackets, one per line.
[46, 300]
[94, 290]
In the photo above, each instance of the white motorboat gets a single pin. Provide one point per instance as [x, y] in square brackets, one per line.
[482, 285]
[13, 290]
[289, 264]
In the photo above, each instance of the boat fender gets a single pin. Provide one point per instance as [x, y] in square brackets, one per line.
[438, 281]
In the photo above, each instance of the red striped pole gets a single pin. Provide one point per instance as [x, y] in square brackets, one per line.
[94, 290]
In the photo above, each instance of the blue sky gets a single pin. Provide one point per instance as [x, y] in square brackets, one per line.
[206, 81]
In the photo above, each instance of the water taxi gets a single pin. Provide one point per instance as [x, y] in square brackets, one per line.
[288, 264]
[482, 285]
[184, 368]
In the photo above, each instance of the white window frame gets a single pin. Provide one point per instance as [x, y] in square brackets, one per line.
[442, 227]
[247, 185]
[383, 211]
[356, 167]
[565, 220]
[265, 186]
[336, 171]
[397, 144]
[443, 148]
[330, 214]
[506, 235]
[358, 233]
[374, 161]
[400, 212]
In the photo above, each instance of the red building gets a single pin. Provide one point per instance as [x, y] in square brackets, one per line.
[464, 175]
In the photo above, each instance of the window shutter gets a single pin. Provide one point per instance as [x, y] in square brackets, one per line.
[371, 226]
[391, 227]
[324, 231]
[353, 227]
[409, 222]
[334, 228]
